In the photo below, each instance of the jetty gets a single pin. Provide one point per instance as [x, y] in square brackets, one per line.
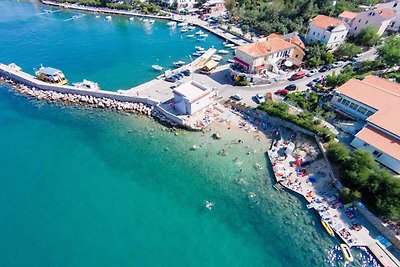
[300, 170]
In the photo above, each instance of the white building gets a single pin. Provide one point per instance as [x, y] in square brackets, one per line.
[191, 98]
[180, 3]
[395, 6]
[378, 18]
[375, 101]
[329, 31]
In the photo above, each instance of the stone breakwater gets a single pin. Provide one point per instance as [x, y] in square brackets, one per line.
[89, 101]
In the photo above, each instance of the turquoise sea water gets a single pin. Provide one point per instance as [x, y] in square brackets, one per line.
[85, 187]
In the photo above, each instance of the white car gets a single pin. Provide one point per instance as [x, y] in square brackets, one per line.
[260, 98]
[337, 64]
[312, 73]
[237, 97]
[357, 57]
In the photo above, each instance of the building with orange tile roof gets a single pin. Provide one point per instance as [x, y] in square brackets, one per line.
[375, 101]
[379, 18]
[263, 55]
[395, 6]
[328, 30]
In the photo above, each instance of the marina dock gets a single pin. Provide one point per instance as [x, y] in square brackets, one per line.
[299, 170]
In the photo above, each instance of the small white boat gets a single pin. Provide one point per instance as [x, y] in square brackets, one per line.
[97, 16]
[229, 45]
[145, 20]
[183, 24]
[157, 67]
[216, 58]
[201, 52]
[204, 35]
[208, 205]
[15, 67]
[190, 36]
[196, 54]
[223, 51]
[178, 63]
[199, 32]
[199, 48]
[231, 61]
[171, 24]
[131, 18]
[191, 28]
[201, 39]
[108, 18]
[85, 84]
[184, 30]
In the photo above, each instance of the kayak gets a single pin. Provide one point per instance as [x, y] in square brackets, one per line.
[327, 227]
[346, 252]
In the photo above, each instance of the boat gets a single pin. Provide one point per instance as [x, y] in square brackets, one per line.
[216, 58]
[184, 30]
[191, 28]
[231, 61]
[196, 54]
[51, 75]
[204, 35]
[97, 16]
[131, 18]
[346, 252]
[199, 48]
[327, 227]
[145, 20]
[201, 52]
[201, 39]
[157, 67]
[179, 63]
[199, 32]
[108, 18]
[223, 51]
[85, 84]
[183, 24]
[171, 23]
[229, 45]
[15, 67]
[190, 36]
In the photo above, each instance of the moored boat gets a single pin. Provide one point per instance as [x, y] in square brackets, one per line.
[229, 45]
[199, 32]
[196, 54]
[346, 252]
[157, 67]
[204, 35]
[51, 75]
[231, 61]
[183, 24]
[151, 21]
[85, 84]
[184, 30]
[201, 39]
[216, 58]
[178, 63]
[190, 36]
[191, 28]
[171, 23]
[131, 18]
[327, 227]
[223, 51]
[108, 18]
[199, 48]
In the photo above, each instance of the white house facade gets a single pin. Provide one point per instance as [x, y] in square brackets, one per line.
[191, 98]
[329, 31]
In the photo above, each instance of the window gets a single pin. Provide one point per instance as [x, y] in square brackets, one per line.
[355, 28]
[366, 22]
[354, 106]
[334, 38]
[366, 145]
[313, 33]
[345, 102]
[359, 20]
[377, 153]
[362, 110]
[395, 4]
[369, 113]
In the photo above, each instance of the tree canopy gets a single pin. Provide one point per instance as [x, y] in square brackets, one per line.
[368, 36]
[390, 52]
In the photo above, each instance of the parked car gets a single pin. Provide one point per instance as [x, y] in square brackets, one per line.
[312, 72]
[291, 87]
[298, 75]
[186, 72]
[268, 97]
[171, 79]
[282, 92]
[338, 64]
[237, 97]
[325, 68]
[357, 57]
[260, 98]
[314, 82]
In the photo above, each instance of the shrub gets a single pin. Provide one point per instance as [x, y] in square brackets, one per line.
[338, 152]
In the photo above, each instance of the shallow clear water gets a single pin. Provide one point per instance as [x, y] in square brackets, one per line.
[85, 187]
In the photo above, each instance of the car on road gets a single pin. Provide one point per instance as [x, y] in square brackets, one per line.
[298, 75]
[312, 73]
[291, 87]
[325, 68]
[171, 79]
[337, 64]
[260, 98]
[186, 72]
[357, 57]
[237, 97]
[314, 82]
[282, 92]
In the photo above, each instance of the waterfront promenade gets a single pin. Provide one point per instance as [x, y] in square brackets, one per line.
[299, 169]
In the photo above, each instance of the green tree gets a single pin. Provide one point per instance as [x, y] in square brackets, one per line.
[230, 4]
[348, 50]
[390, 52]
[328, 57]
[368, 36]
[337, 152]
[103, 2]
[245, 29]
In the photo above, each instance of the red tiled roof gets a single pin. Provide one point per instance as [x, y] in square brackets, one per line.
[348, 15]
[324, 22]
[259, 49]
[380, 94]
[381, 141]
[386, 13]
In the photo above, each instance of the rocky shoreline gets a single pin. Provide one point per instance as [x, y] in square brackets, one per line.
[89, 101]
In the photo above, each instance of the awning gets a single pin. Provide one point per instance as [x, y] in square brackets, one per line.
[210, 64]
[260, 67]
[241, 62]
